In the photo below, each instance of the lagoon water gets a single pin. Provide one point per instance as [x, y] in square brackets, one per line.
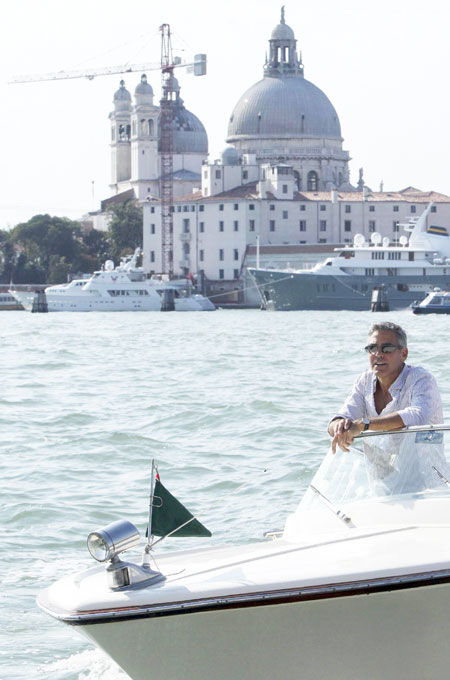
[233, 405]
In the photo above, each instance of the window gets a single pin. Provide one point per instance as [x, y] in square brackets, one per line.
[433, 208]
[324, 207]
[302, 225]
[221, 254]
[285, 214]
[152, 209]
[201, 255]
[236, 206]
[272, 225]
[186, 227]
[236, 225]
[152, 256]
[395, 208]
[302, 207]
[192, 208]
[323, 225]
[371, 208]
[178, 208]
[285, 188]
[271, 206]
[347, 225]
[251, 206]
[221, 274]
[201, 208]
[220, 206]
[371, 226]
[152, 229]
[348, 208]
[313, 181]
[221, 226]
[201, 227]
[245, 174]
[218, 174]
[235, 273]
[413, 208]
[251, 225]
[235, 254]
[322, 240]
[185, 208]
[395, 226]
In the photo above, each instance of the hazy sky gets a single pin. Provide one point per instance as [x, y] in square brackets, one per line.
[384, 65]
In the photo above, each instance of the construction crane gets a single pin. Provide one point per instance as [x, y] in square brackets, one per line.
[166, 133]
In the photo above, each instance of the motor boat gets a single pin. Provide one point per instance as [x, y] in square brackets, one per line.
[356, 585]
[123, 288]
[408, 270]
[436, 302]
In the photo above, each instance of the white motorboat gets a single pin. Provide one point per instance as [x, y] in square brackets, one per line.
[117, 289]
[356, 586]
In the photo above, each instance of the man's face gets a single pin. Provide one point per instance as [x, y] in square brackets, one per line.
[386, 365]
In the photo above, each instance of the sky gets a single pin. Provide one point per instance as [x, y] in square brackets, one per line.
[383, 65]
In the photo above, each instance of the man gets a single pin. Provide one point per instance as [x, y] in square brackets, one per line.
[389, 395]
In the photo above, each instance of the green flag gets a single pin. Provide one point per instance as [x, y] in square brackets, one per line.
[168, 514]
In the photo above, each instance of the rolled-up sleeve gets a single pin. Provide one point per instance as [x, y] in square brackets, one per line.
[354, 406]
[424, 400]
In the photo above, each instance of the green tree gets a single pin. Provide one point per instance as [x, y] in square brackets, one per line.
[44, 237]
[125, 228]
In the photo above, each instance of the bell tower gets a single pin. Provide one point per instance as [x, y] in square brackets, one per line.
[120, 137]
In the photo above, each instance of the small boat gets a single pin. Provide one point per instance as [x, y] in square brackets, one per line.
[357, 585]
[437, 302]
[408, 270]
[123, 288]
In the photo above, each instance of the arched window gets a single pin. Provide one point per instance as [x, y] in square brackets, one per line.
[313, 181]
[298, 180]
[150, 127]
[144, 127]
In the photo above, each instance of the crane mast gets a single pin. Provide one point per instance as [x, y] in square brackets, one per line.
[166, 119]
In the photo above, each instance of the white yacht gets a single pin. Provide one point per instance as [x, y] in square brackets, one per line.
[357, 585]
[117, 289]
[408, 271]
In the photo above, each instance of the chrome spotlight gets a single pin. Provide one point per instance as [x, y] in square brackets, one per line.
[109, 542]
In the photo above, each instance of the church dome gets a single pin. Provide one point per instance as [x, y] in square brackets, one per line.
[282, 32]
[122, 98]
[189, 133]
[283, 104]
[283, 107]
[230, 156]
[144, 88]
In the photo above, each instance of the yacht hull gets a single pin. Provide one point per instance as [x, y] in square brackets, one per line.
[282, 290]
[387, 635]
[86, 303]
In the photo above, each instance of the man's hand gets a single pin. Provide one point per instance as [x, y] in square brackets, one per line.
[345, 431]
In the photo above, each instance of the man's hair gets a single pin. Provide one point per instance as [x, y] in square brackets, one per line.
[392, 328]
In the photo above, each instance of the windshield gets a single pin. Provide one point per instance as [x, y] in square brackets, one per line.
[385, 465]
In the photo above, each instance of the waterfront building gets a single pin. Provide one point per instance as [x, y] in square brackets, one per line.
[282, 184]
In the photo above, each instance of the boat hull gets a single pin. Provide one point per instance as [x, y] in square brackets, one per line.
[396, 633]
[430, 310]
[87, 303]
[289, 291]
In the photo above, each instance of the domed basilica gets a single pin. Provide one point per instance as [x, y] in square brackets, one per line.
[286, 118]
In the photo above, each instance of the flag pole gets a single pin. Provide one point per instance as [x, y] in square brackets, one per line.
[148, 547]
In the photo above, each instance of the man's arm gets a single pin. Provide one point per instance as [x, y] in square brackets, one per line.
[343, 430]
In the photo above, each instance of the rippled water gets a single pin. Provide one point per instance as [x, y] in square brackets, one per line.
[232, 404]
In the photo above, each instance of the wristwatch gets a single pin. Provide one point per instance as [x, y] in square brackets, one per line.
[366, 423]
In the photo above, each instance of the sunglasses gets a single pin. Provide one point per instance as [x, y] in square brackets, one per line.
[387, 348]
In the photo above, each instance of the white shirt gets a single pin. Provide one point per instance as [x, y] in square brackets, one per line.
[415, 397]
